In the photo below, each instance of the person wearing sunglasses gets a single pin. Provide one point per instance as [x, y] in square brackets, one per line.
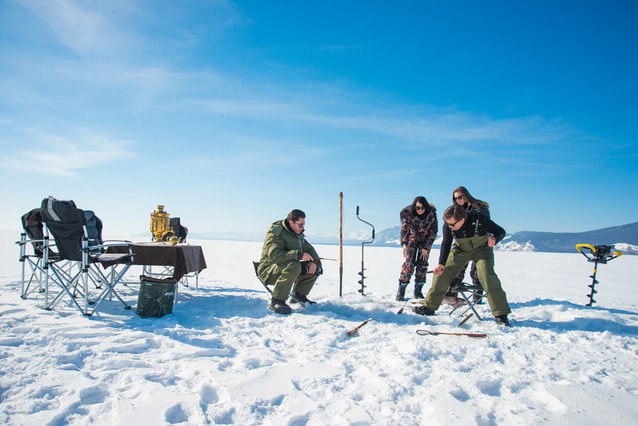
[419, 227]
[462, 197]
[475, 236]
[287, 257]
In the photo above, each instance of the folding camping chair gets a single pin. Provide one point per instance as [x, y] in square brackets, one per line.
[40, 254]
[471, 294]
[78, 239]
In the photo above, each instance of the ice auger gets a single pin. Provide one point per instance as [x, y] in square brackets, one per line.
[361, 290]
[596, 254]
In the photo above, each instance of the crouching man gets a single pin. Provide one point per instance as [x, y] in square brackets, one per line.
[287, 257]
[475, 236]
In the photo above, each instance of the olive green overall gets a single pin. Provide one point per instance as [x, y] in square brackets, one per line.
[463, 251]
[284, 276]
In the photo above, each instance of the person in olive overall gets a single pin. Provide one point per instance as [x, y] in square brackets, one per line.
[287, 257]
[462, 197]
[475, 236]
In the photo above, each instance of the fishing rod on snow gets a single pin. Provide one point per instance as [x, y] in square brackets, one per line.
[361, 290]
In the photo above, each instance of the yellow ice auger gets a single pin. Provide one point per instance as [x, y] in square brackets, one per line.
[596, 254]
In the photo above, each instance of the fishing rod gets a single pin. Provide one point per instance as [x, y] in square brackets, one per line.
[437, 333]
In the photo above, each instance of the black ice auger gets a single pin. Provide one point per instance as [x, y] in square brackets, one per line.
[361, 290]
[596, 254]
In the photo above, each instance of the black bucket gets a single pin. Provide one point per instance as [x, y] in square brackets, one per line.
[156, 297]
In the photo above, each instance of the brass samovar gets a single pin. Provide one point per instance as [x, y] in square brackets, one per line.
[160, 224]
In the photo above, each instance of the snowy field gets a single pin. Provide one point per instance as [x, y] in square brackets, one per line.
[222, 358]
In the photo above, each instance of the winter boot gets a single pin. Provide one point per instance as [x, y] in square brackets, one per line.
[418, 291]
[279, 307]
[401, 292]
[423, 310]
[502, 320]
[303, 298]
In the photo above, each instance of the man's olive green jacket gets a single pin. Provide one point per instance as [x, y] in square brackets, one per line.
[282, 245]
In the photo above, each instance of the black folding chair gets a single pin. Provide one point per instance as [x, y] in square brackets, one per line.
[256, 266]
[36, 258]
[78, 239]
[471, 294]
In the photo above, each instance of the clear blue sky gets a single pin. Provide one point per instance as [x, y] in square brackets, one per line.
[233, 113]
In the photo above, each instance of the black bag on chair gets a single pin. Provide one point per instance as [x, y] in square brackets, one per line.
[66, 222]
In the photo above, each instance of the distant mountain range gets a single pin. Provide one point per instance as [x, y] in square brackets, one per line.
[625, 239]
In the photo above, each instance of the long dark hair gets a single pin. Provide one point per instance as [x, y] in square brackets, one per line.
[471, 201]
[421, 199]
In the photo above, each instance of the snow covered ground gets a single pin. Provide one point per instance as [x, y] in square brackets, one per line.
[222, 358]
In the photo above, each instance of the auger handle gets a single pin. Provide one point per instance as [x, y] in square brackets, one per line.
[589, 246]
[592, 249]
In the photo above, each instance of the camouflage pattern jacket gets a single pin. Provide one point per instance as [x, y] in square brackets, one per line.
[418, 230]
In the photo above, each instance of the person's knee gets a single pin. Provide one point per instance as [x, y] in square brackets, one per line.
[292, 269]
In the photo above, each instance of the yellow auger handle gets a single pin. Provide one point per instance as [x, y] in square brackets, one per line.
[589, 246]
[593, 250]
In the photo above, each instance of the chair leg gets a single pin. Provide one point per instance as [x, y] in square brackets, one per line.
[464, 290]
[60, 277]
[96, 274]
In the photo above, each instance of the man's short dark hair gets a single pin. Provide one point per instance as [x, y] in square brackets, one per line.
[295, 215]
[456, 212]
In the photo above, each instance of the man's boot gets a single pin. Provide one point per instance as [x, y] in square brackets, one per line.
[418, 291]
[401, 292]
[279, 307]
[423, 310]
[502, 320]
[303, 298]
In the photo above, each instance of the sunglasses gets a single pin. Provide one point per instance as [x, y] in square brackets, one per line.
[420, 207]
[460, 197]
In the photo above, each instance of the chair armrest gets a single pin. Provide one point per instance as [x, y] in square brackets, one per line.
[114, 243]
[24, 242]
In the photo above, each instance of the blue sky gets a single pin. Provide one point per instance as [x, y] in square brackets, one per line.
[232, 113]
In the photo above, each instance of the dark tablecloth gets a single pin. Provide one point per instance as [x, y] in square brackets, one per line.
[183, 258]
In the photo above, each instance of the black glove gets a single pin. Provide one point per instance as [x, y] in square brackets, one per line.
[305, 269]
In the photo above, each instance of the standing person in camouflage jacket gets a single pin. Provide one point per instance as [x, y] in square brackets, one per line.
[287, 257]
[418, 231]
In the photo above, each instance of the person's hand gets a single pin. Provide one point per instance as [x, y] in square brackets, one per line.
[306, 257]
[491, 241]
[438, 270]
[424, 255]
